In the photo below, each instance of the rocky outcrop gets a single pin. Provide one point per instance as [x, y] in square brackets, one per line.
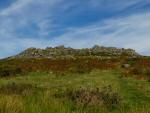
[64, 52]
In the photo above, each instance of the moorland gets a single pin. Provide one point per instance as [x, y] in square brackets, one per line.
[67, 80]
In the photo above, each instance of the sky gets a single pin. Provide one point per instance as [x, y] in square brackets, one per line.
[74, 23]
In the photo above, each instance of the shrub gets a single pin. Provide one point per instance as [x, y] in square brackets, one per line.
[9, 71]
[111, 99]
[94, 97]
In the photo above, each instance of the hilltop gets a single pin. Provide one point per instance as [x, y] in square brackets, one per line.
[67, 52]
[67, 80]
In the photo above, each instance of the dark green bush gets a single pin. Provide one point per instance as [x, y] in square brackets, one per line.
[90, 97]
[9, 71]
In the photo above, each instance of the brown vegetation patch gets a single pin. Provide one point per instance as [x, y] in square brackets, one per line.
[95, 97]
[140, 69]
[12, 67]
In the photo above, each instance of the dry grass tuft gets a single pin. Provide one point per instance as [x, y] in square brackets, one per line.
[17, 89]
[11, 104]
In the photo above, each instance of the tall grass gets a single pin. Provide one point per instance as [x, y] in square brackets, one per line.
[36, 92]
[11, 104]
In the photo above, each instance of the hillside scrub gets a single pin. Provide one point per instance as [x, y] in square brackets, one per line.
[140, 68]
[104, 90]
[85, 97]
[13, 67]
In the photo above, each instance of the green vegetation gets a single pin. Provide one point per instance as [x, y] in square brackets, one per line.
[99, 91]
[66, 80]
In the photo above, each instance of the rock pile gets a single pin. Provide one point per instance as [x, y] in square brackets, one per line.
[67, 52]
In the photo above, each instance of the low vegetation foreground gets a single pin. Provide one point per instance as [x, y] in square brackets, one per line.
[75, 81]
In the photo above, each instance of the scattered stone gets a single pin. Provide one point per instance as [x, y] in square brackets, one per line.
[126, 65]
[64, 52]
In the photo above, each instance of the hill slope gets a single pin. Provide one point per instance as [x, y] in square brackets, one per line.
[35, 82]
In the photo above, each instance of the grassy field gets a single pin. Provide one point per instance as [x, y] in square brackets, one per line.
[45, 92]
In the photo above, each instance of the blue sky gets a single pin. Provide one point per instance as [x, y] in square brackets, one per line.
[74, 23]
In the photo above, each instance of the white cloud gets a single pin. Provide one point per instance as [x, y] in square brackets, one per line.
[115, 5]
[23, 5]
[16, 45]
[16, 6]
[129, 32]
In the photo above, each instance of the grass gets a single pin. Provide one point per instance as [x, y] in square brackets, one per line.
[43, 86]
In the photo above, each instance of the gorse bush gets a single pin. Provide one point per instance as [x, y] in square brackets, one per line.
[111, 99]
[95, 97]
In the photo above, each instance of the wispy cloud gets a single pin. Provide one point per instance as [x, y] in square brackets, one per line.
[129, 32]
[31, 23]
